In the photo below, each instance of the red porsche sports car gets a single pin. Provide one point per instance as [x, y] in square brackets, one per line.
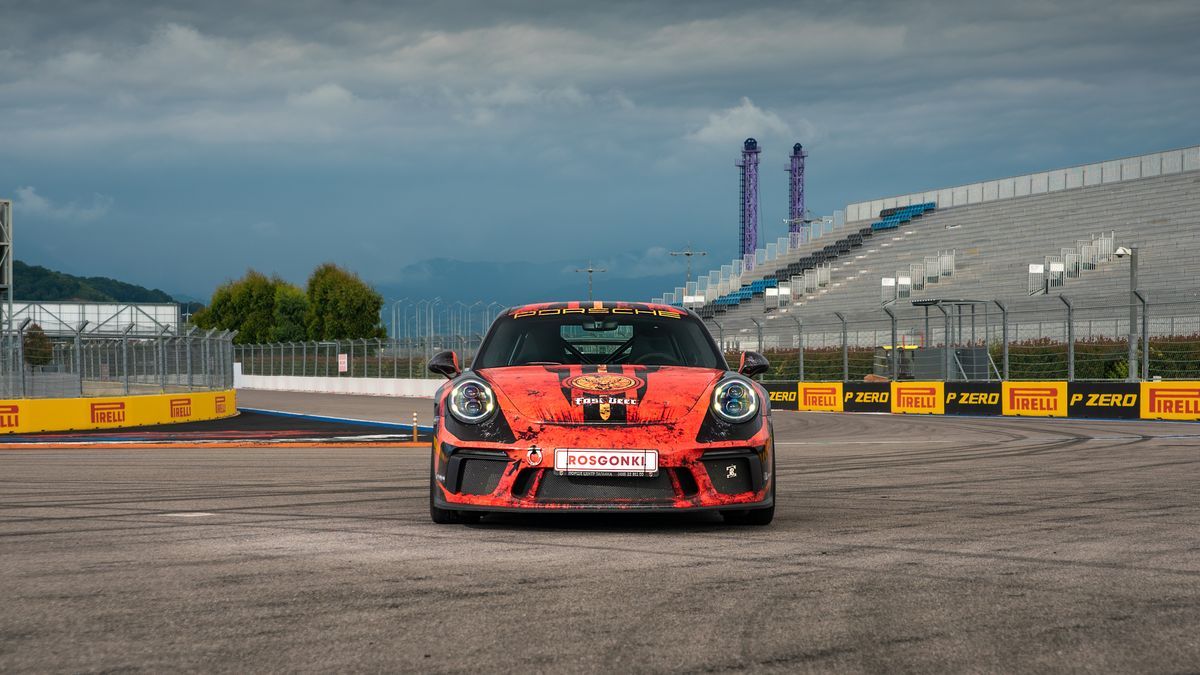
[597, 406]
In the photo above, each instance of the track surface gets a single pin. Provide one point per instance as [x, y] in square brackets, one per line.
[900, 544]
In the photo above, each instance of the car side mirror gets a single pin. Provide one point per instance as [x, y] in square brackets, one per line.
[753, 364]
[445, 363]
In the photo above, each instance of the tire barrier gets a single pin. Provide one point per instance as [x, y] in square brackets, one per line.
[1092, 400]
[32, 415]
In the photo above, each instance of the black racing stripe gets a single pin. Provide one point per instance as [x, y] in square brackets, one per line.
[619, 411]
[563, 376]
[591, 411]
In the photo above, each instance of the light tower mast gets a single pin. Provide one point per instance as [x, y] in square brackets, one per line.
[749, 206]
[796, 181]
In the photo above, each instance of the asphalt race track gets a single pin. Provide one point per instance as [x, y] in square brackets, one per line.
[900, 544]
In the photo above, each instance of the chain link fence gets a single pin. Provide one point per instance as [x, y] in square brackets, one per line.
[38, 365]
[978, 340]
[372, 358]
[944, 340]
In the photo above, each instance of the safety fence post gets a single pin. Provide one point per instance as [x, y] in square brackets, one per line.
[125, 356]
[845, 348]
[1144, 297]
[1003, 334]
[895, 348]
[947, 347]
[1070, 338]
[79, 351]
[800, 346]
[21, 354]
[187, 346]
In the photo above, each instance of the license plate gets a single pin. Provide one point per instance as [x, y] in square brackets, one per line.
[572, 462]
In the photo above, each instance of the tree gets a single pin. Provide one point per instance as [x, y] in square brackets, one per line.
[291, 305]
[38, 349]
[341, 306]
[259, 308]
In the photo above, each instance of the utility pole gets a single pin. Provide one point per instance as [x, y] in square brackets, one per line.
[688, 253]
[590, 270]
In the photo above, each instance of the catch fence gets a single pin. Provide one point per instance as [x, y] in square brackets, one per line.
[40, 365]
[979, 340]
[967, 340]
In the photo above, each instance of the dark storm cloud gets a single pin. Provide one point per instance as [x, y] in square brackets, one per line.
[608, 129]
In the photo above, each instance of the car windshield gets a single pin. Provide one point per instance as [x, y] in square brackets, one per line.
[651, 339]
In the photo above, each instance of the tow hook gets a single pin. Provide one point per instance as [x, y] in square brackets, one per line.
[534, 455]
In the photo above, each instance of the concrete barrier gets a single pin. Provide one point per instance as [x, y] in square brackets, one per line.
[370, 386]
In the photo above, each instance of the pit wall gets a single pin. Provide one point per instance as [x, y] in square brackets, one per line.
[30, 415]
[1092, 400]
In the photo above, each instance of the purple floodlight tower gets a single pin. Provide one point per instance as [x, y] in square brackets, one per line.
[749, 166]
[796, 175]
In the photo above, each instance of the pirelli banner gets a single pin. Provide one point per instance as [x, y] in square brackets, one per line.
[25, 416]
[784, 395]
[1103, 400]
[820, 396]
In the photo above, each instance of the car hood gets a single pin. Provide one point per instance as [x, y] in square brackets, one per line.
[601, 394]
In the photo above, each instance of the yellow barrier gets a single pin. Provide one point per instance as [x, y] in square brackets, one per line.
[22, 416]
[1170, 400]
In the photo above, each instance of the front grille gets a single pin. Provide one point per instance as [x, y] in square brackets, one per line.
[481, 476]
[604, 488]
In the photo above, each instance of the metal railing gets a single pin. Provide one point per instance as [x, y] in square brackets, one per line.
[1042, 182]
[39, 365]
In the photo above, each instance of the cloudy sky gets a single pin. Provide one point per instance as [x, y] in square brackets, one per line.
[175, 144]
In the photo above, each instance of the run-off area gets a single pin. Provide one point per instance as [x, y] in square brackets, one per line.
[901, 543]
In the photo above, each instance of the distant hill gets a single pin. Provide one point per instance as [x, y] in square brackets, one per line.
[36, 283]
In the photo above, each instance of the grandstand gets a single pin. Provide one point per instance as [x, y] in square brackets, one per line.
[980, 242]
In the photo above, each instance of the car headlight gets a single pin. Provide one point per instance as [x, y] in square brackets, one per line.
[471, 401]
[734, 400]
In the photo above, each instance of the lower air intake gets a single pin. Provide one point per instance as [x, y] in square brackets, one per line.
[604, 488]
[481, 476]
